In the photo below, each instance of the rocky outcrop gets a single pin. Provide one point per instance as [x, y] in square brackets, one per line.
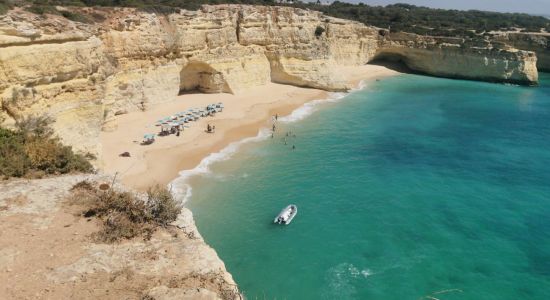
[85, 74]
[460, 58]
[536, 42]
[46, 252]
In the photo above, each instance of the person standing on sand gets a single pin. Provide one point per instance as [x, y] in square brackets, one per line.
[276, 117]
[273, 127]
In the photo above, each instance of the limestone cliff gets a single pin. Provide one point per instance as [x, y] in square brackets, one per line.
[536, 42]
[85, 74]
[461, 58]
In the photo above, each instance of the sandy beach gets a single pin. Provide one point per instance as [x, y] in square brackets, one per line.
[244, 114]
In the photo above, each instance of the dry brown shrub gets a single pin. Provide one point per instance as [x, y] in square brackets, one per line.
[162, 206]
[125, 215]
[83, 185]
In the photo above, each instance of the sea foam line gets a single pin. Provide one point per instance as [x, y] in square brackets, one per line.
[180, 186]
[182, 189]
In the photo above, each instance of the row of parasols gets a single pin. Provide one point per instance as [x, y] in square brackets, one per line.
[177, 121]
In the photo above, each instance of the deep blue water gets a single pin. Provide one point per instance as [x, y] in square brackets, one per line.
[413, 187]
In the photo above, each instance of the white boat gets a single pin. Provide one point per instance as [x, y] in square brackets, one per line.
[286, 215]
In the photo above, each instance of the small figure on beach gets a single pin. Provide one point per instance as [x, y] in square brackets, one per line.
[273, 127]
[285, 141]
[272, 135]
[276, 117]
[210, 129]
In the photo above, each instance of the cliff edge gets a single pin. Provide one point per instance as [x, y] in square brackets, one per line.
[46, 252]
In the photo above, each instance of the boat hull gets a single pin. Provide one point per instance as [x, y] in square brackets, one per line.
[286, 215]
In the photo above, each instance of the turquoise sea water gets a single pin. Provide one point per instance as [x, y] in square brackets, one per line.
[412, 187]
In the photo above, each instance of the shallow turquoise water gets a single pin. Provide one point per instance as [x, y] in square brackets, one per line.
[413, 187]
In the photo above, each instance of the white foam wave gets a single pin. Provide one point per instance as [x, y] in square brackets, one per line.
[180, 186]
[182, 189]
[366, 273]
[341, 281]
[310, 107]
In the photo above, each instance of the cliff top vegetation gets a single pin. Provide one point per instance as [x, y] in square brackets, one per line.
[397, 17]
[32, 151]
[124, 215]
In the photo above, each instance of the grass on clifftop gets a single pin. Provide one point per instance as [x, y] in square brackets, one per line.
[33, 151]
[125, 215]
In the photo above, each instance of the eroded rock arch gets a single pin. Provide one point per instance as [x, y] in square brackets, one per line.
[392, 59]
[201, 77]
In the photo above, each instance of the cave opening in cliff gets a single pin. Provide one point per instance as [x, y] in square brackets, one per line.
[200, 77]
[393, 61]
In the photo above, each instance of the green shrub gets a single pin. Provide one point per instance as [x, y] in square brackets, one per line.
[32, 151]
[4, 7]
[42, 9]
[319, 31]
[13, 160]
[76, 17]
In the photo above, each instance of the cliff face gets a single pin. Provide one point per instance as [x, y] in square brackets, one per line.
[459, 58]
[536, 42]
[85, 74]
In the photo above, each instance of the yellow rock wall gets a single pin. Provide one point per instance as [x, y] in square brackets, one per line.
[458, 58]
[83, 75]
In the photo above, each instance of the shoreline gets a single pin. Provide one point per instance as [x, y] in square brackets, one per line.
[243, 116]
